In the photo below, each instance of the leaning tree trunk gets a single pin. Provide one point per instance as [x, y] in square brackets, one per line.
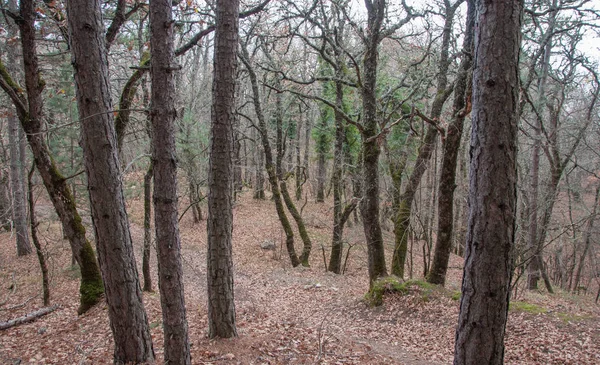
[126, 313]
[36, 242]
[221, 306]
[29, 111]
[404, 208]
[164, 161]
[18, 194]
[451, 147]
[269, 163]
[489, 257]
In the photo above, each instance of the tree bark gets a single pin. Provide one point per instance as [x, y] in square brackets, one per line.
[221, 305]
[164, 161]
[127, 316]
[489, 257]
[36, 242]
[29, 111]
[18, 193]
[147, 229]
[369, 206]
[451, 148]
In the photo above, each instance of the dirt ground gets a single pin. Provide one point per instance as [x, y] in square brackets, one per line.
[285, 315]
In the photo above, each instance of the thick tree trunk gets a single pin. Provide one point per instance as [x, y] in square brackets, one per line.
[493, 178]
[29, 111]
[221, 306]
[164, 161]
[19, 197]
[126, 312]
[451, 148]
[299, 169]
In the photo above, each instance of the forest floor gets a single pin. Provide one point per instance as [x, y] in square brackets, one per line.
[285, 315]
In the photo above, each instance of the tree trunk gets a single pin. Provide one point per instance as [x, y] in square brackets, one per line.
[164, 161]
[587, 240]
[221, 306]
[451, 148]
[269, 165]
[147, 229]
[404, 209]
[369, 206]
[322, 148]
[126, 312]
[493, 178]
[18, 194]
[299, 169]
[36, 242]
[337, 246]
[29, 111]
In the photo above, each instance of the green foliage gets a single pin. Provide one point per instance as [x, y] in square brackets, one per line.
[527, 307]
[393, 284]
[456, 295]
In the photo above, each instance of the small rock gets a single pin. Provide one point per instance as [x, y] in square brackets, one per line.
[268, 245]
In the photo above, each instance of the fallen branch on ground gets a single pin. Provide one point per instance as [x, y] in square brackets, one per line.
[28, 317]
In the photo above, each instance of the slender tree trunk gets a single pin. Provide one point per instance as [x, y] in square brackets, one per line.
[489, 257]
[451, 148]
[19, 197]
[126, 312]
[36, 242]
[404, 210]
[221, 306]
[269, 164]
[321, 160]
[147, 229]
[299, 170]
[587, 241]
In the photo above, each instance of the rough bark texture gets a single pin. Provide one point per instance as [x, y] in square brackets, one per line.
[493, 177]
[451, 147]
[164, 161]
[18, 193]
[221, 306]
[126, 313]
[369, 206]
[147, 229]
[29, 111]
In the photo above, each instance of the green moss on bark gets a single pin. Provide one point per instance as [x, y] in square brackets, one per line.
[91, 288]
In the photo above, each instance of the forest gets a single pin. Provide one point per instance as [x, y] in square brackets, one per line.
[299, 182]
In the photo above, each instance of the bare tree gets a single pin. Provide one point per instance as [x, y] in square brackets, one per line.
[493, 178]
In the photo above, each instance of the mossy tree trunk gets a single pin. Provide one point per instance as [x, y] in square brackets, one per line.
[29, 112]
[269, 163]
[451, 148]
